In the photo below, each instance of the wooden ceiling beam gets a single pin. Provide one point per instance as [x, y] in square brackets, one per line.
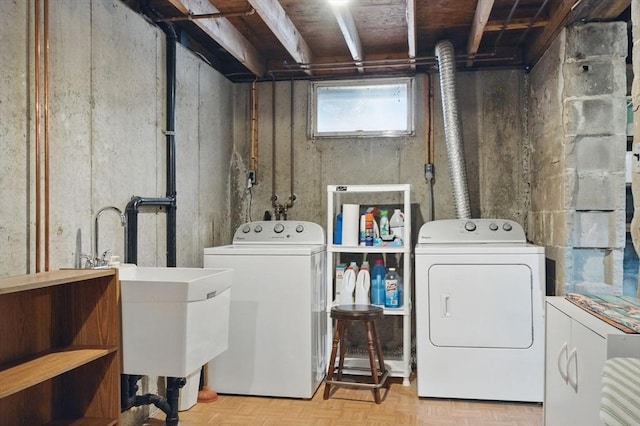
[225, 34]
[349, 32]
[566, 13]
[480, 19]
[281, 26]
[515, 24]
[411, 30]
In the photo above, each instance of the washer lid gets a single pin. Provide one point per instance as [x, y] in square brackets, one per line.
[265, 250]
[471, 231]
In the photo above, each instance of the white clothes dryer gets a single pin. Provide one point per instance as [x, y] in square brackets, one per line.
[277, 331]
[479, 311]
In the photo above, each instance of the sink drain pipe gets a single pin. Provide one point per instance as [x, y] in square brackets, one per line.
[129, 387]
[453, 128]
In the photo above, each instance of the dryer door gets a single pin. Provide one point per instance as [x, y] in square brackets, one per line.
[480, 305]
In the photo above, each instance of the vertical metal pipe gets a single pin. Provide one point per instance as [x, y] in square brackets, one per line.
[171, 145]
[38, 148]
[291, 156]
[453, 128]
[274, 197]
[47, 201]
[253, 163]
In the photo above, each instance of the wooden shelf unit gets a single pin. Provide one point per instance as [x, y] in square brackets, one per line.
[59, 357]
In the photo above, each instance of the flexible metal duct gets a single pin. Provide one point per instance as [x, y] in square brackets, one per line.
[453, 128]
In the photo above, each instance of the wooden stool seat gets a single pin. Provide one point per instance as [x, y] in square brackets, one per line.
[344, 315]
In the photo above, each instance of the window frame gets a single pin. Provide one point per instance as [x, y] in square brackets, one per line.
[409, 82]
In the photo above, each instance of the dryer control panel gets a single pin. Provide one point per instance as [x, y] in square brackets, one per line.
[279, 232]
[471, 231]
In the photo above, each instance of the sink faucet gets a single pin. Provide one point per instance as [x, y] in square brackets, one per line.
[102, 260]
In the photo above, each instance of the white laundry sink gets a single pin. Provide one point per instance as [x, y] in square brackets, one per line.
[174, 320]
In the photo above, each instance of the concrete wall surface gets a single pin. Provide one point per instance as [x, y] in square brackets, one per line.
[106, 120]
[493, 110]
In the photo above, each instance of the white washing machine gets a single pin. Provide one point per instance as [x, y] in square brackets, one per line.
[479, 311]
[277, 330]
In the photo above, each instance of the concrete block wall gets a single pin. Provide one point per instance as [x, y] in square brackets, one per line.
[578, 137]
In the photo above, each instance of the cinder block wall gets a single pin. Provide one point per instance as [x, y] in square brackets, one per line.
[578, 138]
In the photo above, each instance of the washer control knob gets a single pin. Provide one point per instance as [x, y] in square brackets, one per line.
[258, 228]
[493, 226]
[507, 227]
[470, 226]
[246, 229]
[299, 228]
[278, 228]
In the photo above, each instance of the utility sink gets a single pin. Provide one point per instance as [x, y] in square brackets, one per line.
[174, 320]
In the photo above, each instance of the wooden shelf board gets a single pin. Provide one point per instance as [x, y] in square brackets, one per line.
[86, 421]
[46, 366]
[51, 278]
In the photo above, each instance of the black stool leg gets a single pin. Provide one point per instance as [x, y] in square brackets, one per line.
[343, 346]
[372, 358]
[332, 362]
[379, 350]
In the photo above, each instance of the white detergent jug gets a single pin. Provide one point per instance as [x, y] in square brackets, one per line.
[348, 286]
[363, 283]
[397, 224]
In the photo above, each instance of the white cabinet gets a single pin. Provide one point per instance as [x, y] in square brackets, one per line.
[373, 195]
[577, 346]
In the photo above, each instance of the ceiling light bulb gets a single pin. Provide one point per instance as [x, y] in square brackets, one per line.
[338, 2]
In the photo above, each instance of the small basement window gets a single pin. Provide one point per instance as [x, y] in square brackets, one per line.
[367, 108]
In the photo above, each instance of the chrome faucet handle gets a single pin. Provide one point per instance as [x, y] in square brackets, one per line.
[89, 260]
[103, 258]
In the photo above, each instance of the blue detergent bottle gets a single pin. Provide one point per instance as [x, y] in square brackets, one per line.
[378, 274]
[393, 289]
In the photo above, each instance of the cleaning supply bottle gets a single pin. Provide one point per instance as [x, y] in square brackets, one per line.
[397, 224]
[337, 231]
[363, 283]
[363, 229]
[378, 274]
[393, 289]
[368, 226]
[348, 286]
[384, 224]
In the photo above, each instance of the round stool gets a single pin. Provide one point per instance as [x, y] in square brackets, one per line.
[344, 315]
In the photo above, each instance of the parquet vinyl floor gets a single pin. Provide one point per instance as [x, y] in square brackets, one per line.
[351, 407]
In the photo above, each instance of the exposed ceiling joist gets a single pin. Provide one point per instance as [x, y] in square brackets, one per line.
[411, 30]
[349, 32]
[515, 24]
[286, 32]
[480, 19]
[225, 34]
[566, 13]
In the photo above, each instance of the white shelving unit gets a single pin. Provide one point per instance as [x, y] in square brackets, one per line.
[336, 196]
